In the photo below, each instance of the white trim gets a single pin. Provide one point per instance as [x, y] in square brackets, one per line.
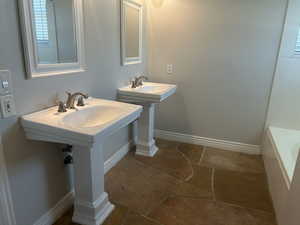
[115, 158]
[278, 158]
[100, 218]
[57, 211]
[210, 142]
[139, 7]
[34, 69]
[7, 215]
[66, 202]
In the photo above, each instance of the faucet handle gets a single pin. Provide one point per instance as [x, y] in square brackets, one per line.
[61, 107]
[80, 101]
[132, 83]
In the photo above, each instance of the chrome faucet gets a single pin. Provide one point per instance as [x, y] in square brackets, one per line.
[72, 97]
[138, 81]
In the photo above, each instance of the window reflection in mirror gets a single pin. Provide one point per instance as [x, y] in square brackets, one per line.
[54, 31]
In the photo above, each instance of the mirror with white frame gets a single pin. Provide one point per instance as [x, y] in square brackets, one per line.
[131, 32]
[52, 36]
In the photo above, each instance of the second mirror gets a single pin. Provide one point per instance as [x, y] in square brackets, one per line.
[131, 31]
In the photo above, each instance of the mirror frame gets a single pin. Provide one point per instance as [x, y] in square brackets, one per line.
[131, 60]
[33, 68]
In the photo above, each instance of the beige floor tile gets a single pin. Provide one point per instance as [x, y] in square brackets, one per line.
[136, 186]
[136, 219]
[244, 189]
[192, 152]
[190, 211]
[235, 161]
[169, 160]
[199, 186]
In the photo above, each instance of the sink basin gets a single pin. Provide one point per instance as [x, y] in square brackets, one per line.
[148, 92]
[97, 118]
[85, 129]
[93, 116]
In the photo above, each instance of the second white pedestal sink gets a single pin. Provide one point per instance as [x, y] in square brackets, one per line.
[147, 95]
[85, 128]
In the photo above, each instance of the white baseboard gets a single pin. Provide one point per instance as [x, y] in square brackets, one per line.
[115, 158]
[57, 211]
[66, 202]
[209, 142]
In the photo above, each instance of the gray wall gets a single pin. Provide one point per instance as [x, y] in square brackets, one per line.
[37, 175]
[223, 52]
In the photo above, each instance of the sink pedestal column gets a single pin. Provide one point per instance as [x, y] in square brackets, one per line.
[146, 143]
[91, 202]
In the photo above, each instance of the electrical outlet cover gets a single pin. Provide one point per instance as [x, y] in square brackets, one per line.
[5, 82]
[170, 68]
[8, 107]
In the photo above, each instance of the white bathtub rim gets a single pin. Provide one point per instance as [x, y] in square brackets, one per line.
[278, 157]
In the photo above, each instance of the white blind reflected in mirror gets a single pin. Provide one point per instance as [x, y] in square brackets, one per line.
[297, 47]
[40, 20]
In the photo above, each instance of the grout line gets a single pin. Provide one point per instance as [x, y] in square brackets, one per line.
[176, 148]
[159, 204]
[213, 184]
[202, 155]
[151, 219]
[157, 168]
[231, 204]
[189, 162]
[243, 207]
[146, 215]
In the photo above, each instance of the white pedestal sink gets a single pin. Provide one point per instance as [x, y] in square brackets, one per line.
[146, 95]
[85, 129]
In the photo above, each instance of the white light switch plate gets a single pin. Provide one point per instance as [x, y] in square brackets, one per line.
[8, 107]
[5, 82]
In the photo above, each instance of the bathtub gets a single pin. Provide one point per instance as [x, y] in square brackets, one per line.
[280, 153]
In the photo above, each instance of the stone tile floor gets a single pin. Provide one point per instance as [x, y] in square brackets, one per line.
[186, 184]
